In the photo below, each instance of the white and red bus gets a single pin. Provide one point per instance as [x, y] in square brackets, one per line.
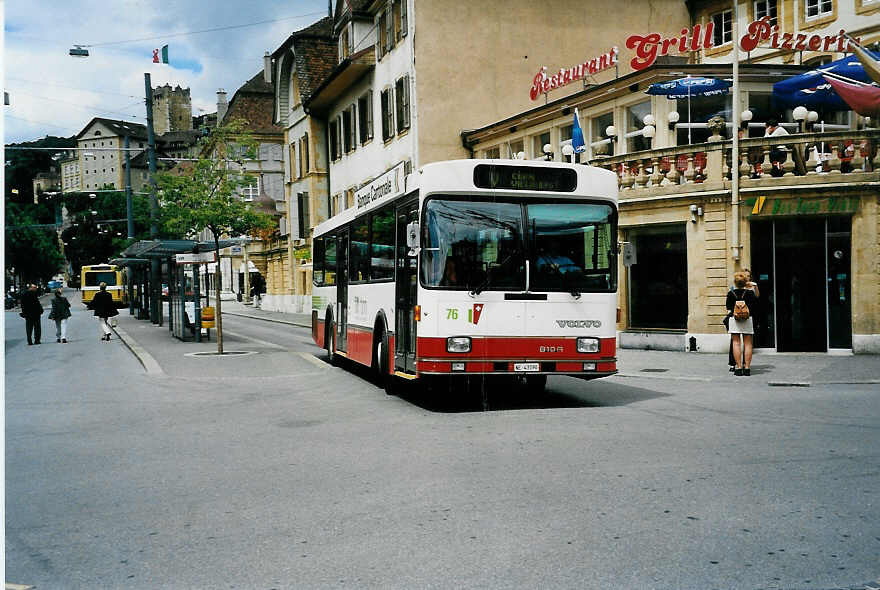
[473, 267]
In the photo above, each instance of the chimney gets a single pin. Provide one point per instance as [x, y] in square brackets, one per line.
[221, 105]
[267, 68]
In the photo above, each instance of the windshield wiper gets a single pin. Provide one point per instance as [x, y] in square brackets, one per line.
[485, 282]
[571, 283]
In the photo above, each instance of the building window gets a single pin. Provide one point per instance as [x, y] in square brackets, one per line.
[344, 44]
[348, 129]
[766, 8]
[389, 30]
[598, 125]
[538, 143]
[304, 154]
[302, 214]
[365, 116]
[401, 93]
[492, 153]
[334, 139]
[252, 190]
[398, 11]
[658, 280]
[515, 148]
[381, 28]
[387, 115]
[723, 32]
[293, 162]
[634, 117]
[816, 8]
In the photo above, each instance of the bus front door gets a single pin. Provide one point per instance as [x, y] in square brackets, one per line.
[342, 291]
[405, 293]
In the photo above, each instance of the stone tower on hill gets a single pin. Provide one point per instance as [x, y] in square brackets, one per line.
[172, 109]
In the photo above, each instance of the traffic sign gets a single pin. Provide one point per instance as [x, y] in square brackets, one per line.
[200, 258]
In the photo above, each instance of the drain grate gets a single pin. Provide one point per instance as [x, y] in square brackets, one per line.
[654, 370]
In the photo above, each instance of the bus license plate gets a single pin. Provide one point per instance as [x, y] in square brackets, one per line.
[526, 367]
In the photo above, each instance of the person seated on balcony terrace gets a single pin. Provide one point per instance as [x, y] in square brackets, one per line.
[777, 152]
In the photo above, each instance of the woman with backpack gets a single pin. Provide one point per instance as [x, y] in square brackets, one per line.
[740, 302]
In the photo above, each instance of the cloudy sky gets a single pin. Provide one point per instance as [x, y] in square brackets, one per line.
[52, 93]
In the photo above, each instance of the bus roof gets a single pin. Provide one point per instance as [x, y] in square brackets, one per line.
[457, 176]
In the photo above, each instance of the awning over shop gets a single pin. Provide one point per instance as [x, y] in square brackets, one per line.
[813, 91]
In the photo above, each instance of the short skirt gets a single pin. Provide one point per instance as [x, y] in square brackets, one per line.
[741, 326]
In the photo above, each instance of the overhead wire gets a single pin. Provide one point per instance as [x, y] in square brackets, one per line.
[211, 30]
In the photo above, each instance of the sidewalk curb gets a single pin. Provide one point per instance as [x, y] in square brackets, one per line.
[256, 317]
[151, 366]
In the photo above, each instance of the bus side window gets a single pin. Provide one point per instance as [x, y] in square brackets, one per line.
[318, 262]
[329, 261]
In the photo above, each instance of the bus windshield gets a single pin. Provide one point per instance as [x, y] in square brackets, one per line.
[95, 278]
[483, 245]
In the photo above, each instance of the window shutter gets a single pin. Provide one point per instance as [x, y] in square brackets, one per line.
[389, 28]
[304, 153]
[370, 114]
[406, 101]
[306, 223]
[403, 18]
[282, 225]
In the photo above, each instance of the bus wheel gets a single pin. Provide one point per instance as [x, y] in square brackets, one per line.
[330, 342]
[388, 381]
[536, 384]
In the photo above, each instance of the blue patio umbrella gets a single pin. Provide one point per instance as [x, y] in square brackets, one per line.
[688, 87]
[812, 91]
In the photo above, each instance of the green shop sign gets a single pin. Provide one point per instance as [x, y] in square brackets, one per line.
[774, 207]
[302, 253]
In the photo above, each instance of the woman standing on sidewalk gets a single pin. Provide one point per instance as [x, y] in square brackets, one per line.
[60, 312]
[742, 352]
[104, 308]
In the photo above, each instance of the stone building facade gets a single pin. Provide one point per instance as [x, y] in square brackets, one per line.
[807, 229]
[299, 65]
[172, 109]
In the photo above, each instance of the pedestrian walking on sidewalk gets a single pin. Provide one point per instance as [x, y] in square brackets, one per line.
[31, 310]
[740, 302]
[105, 309]
[60, 312]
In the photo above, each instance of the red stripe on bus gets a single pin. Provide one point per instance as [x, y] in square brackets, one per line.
[554, 349]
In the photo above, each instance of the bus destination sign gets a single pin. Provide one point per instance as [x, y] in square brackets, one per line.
[525, 178]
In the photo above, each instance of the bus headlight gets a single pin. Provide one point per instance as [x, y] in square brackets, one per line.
[588, 345]
[458, 344]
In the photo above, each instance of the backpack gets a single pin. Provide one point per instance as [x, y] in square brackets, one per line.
[740, 309]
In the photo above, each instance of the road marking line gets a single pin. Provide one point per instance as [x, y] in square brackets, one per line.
[314, 360]
[257, 340]
[17, 586]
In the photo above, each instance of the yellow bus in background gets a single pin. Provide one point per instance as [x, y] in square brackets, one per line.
[93, 275]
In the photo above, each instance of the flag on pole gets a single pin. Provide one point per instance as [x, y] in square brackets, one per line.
[164, 55]
[863, 99]
[577, 136]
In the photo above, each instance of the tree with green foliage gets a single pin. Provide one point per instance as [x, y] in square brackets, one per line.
[32, 252]
[204, 195]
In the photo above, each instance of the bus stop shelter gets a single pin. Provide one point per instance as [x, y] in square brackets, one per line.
[185, 310]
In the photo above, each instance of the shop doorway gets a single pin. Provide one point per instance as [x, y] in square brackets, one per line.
[803, 267]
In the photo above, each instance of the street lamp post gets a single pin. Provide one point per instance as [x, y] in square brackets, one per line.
[155, 305]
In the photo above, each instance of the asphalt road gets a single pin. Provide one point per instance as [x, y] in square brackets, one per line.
[308, 476]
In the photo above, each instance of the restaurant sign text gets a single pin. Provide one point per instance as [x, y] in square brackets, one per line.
[700, 36]
[764, 207]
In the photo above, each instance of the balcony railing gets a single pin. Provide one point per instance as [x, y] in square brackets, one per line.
[765, 161]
